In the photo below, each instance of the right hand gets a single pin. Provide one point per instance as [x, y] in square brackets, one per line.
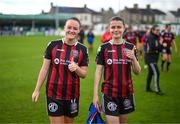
[96, 103]
[35, 96]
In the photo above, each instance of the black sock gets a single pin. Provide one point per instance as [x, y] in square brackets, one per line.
[168, 64]
[162, 64]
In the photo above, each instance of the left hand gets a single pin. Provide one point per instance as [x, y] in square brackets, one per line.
[72, 66]
[130, 54]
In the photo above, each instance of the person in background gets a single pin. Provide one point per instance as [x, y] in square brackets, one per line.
[144, 43]
[65, 62]
[90, 38]
[116, 58]
[152, 56]
[81, 36]
[167, 39]
[106, 36]
[131, 36]
[140, 33]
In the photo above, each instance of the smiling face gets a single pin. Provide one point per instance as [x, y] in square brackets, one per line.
[116, 29]
[156, 31]
[71, 28]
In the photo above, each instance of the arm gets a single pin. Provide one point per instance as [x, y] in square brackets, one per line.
[135, 64]
[81, 71]
[175, 47]
[41, 78]
[97, 79]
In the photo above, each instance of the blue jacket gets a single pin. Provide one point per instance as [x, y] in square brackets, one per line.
[94, 116]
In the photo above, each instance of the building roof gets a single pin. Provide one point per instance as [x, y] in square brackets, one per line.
[145, 11]
[34, 17]
[72, 10]
[158, 12]
[175, 13]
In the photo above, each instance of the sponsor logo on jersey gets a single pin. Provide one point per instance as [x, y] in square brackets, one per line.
[62, 50]
[56, 61]
[109, 61]
[111, 51]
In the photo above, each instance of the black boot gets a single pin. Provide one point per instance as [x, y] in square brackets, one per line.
[168, 64]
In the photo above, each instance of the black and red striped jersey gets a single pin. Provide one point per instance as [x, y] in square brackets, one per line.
[131, 37]
[168, 37]
[62, 83]
[117, 69]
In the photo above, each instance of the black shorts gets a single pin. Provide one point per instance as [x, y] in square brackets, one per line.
[117, 106]
[68, 108]
[166, 50]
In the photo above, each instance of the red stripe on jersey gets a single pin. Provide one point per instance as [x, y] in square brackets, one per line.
[52, 78]
[77, 77]
[115, 71]
[123, 72]
[77, 86]
[107, 73]
[69, 78]
[61, 72]
[130, 84]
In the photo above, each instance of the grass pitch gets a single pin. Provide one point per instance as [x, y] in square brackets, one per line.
[20, 62]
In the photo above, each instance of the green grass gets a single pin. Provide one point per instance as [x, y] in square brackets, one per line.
[20, 62]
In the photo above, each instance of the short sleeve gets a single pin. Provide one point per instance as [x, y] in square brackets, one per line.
[47, 53]
[85, 59]
[100, 56]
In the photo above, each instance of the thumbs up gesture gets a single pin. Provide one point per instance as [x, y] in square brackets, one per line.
[72, 66]
[130, 53]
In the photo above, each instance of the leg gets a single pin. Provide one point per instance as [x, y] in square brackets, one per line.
[168, 61]
[156, 79]
[156, 76]
[110, 108]
[149, 77]
[56, 119]
[55, 111]
[123, 118]
[164, 59]
[68, 120]
[112, 119]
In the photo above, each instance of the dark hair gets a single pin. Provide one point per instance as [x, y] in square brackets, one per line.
[75, 19]
[153, 28]
[167, 25]
[117, 18]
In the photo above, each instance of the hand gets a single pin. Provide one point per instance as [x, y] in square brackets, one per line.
[35, 96]
[164, 44]
[130, 54]
[72, 66]
[96, 103]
